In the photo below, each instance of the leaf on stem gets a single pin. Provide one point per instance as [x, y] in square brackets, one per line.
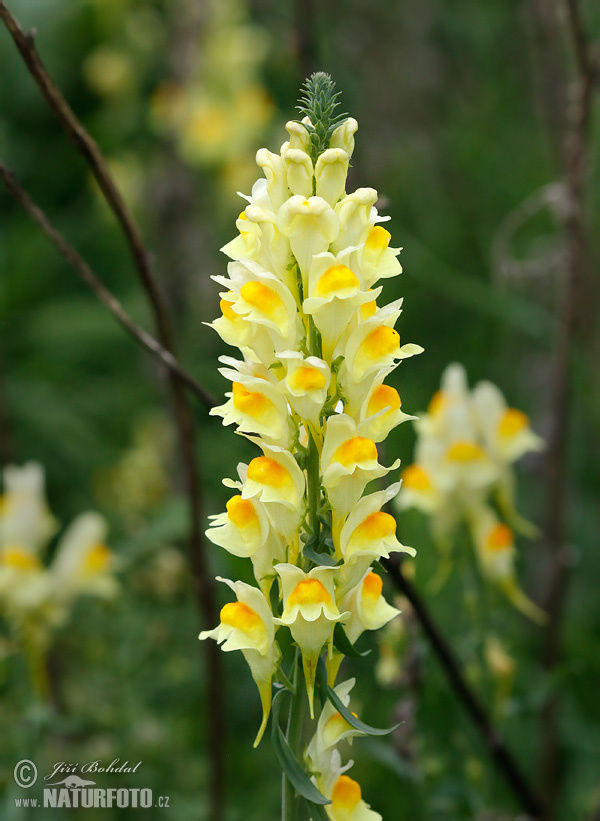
[328, 692]
[292, 768]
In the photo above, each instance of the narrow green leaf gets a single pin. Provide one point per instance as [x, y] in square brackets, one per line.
[309, 552]
[343, 644]
[344, 711]
[316, 812]
[294, 772]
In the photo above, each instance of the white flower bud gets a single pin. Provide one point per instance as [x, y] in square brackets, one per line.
[331, 171]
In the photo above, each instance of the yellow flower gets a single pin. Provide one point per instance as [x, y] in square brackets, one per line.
[348, 463]
[330, 174]
[275, 480]
[310, 225]
[310, 611]
[347, 803]
[247, 625]
[83, 563]
[506, 431]
[299, 171]
[496, 552]
[306, 383]
[332, 728]
[357, 215]
[373, 346]
[262, 300]
[381, 411]
[24, 515]
[334, 296]
[245, 530]
[368, 608]
[256, 405]
[368, 533]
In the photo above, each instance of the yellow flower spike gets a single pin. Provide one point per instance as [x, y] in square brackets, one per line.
[299, 297]
[299, 171]
[331, 171]
[381, 411]
[310, 225]
[310, 611]
[306, 384]
[348, 463]
[332, 728]
[334, 296]
[368, 608]
[248, 625]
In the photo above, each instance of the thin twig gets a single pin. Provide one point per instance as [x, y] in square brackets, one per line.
[85, 273]
[575, 158]
[181, 410]
[497, 748]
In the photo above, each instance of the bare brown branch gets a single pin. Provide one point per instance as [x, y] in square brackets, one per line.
[575, 171]
[85, 273]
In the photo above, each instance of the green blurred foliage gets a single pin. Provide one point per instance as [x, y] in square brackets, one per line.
[454, 135]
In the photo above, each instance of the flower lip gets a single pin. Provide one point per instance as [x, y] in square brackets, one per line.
[241, 512]
[416, 477]
[378, 238]
[346, 793]
[356, 450]
[514, 421]
[337, 278]
[266, 471]
[465, 451]
[500, 538]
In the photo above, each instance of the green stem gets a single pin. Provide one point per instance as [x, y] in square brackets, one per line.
[289, 803]
[314, 488]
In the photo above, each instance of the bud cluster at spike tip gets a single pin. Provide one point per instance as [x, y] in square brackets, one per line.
[302, 303]
[467, 443]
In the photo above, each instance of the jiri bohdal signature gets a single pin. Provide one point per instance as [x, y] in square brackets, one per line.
[63, 768]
